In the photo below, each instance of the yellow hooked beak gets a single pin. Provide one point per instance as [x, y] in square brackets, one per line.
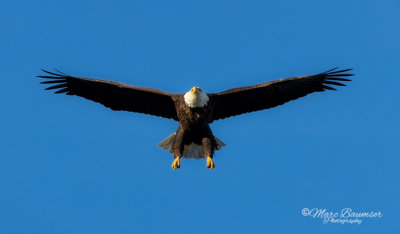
[195, 89]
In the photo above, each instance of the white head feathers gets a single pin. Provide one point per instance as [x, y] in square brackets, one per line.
[196, 98]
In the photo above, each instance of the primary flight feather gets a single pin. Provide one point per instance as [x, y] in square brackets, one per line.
[194, 110]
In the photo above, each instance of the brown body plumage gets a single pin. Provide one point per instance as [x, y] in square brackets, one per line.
[194, 110]
[193, 128]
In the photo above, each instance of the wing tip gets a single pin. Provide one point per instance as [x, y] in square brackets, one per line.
[337, 75]
[339, 72]
[334, 77]
[56, 80]
[60, 74]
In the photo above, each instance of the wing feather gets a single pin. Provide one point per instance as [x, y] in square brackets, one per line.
[271, 94]
[114, 95]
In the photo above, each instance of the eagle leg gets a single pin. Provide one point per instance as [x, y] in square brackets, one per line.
[210, 163]
[177, 163]
[208, 149]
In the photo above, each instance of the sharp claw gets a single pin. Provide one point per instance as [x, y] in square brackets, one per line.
[210, 164]
[176, 164]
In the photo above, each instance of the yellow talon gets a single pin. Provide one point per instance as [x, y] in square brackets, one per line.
[177, 163]
[210, 163]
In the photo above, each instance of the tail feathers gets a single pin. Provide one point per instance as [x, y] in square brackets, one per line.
[189, 151]
[220, 144]
[193, 151]
[167, 143]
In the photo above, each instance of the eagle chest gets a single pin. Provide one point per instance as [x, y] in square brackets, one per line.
[195, 115]
[192, 116]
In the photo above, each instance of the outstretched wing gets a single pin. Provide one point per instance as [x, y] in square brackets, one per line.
[114, 95]
[267, 95]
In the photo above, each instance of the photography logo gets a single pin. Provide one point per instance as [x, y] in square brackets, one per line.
[344, 216]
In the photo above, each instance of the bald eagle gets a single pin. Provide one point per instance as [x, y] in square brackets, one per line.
[194, 110]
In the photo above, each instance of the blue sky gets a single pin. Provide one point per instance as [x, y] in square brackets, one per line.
[68, 165]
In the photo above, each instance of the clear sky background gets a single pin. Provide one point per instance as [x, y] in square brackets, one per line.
[68, 165]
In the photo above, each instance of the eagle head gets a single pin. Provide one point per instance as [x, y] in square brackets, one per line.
[196, 97]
